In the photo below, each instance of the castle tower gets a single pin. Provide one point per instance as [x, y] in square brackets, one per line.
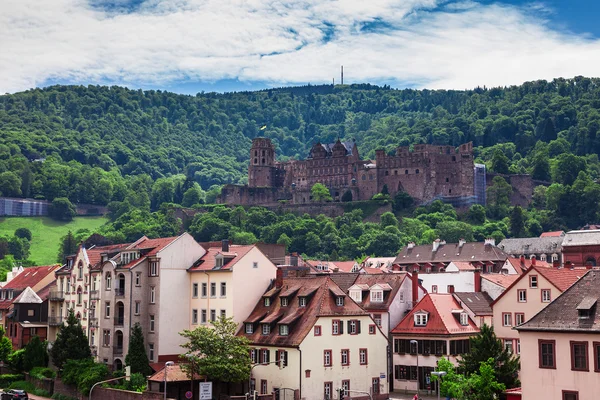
[262, 163]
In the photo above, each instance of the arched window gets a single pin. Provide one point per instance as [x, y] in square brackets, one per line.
[405, 172]
[79, 296]
[80, 272]
[108, 280]
[417, 172]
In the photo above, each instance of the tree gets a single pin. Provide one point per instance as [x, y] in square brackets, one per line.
[35, 354]
[541, 167]
[62, 209]
[5, 346]
[567, 168]
[517, 222]
[19, 247]
[68, 246]
[136, 356]
[477, 214]
[23, 233]
[385, 190]
[193, 195]
[487, 346]
[71, 342]
[320, 192]
[347, 196]
[402, 201]
[217, 352]
[388, 219]
[498, 197]
[10, 184]
[480, 385]
[500, 162]
[453, 231]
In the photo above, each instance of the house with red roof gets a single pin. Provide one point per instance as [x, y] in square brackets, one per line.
[320, 266]
[228, 281]
[306, 334]
[438, 326]
[495, 284]
[526, 296]
[20, 321]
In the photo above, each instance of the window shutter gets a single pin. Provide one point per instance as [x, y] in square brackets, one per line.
[268, 356]
[357, 326]
[349, 331]
[277, 357]
[285, 358]
[258, 356]
[452, 347]
[396, 347]
[341, 323]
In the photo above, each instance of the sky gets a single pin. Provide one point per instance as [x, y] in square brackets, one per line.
[189, 46]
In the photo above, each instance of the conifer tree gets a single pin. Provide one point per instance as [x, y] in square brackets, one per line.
[71, 342]
[136, 357]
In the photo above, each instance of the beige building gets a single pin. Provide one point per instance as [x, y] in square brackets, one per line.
[323, 338]
[529, 294]
[560, 345]
[228, 281]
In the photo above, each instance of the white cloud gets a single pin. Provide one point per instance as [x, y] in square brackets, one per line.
[422, 42]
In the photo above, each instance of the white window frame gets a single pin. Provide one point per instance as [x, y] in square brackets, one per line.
[507, 319]
[284, 330]
[284, 302]
[345, 358]
[152, 323]
[302, 301]
[249, 328]
[266, 329]
[152, 294]
[376, 296]
[356, 295]
[548, 298]
[533, 281]
[339, 301]
[151, 351]
[267, 302]
[362, 356]
[464, 319]
[421, 319]
[138, 279]
[522, 295]
[335, 327]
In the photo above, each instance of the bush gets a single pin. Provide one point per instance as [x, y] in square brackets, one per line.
[15, 360]
[23, 233]
[29, 388]
[58, 396]
[7, 379]
[42, 373]
[83, 374]
[137, 382]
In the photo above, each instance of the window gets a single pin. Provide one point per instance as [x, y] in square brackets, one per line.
[138, 279]
[213, 289]
[362, 356]
[327, 389]
[345, 357]
[327, 358]
[353, 327]
[223, 314]
[223, 289]
[570, 395]
[151, 329]
[375, 381]
[283, 330]
[335, 327]
[533, 281]
[506, 319]
[106, 337]
[137, 308]
[450, 289]
[518, 346]
[508, 345]
[213, 315]
[204, 290]
[519, 318]
[107, 309]
[80, 271]
[376, 296]
[339, 301]
[356, 295]
[152, 294]
[107, 279]
[346, 386]
[266, 329]
[267, 302]
[420, 319]
[265, 356]
[546, 298]
[284, 302]
[464, 319]
[203, 316]
[195, 290]
[249, 328]
[154, 268]
[317, 330]
[254, 264]
[194, 316]
[151, 351]
[253, 356]
[281, 356]
[372, 329]
[434, 289]
[579, 356]
[522, 296]
[547, 353]
[377, 319]
[302, 301]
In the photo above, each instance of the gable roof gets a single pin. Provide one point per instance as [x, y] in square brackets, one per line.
[521, 266]
[470, 252]
[441, 320]
[464, 266]
[560, 278]
[561, 315]
[301, 320]
[532, 245]
[332, 266]
[344, 280]
[28, 296]
[581, 238]
[553, 234]
[478, 302]
[208, 261]
[501, 280]
[29, 278]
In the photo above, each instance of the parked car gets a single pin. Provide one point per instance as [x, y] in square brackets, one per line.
[14, 394]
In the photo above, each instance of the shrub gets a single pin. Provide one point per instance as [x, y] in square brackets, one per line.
[42, 373]
[83, 374]
[58, 396]
[7, 379]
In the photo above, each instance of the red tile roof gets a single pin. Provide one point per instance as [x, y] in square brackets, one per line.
[30, 277]
[553, 234]
[333, 266]
[501, 280]
[208, 262]
[393, 281]
[376, 271]
[464, 266]
[441, 319]
[522, 265]
[320, 303]
[174, 374]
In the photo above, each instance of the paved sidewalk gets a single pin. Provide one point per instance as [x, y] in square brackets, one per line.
[409, 396]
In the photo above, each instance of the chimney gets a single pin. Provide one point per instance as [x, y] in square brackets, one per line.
[490, 241]
[225, 245]
[555, 264]
[396, 267]
[522, 259]
[461, 242]
[415, 286]
[533, 261]
[477, 278]
[410, 245]
[436, 244]
[279, 278]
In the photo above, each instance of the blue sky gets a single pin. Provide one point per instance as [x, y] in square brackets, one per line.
[187, 46]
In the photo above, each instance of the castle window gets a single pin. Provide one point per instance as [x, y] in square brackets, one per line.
[263, 160]
[387, 173]
[449, 191]
[255, 153]
[417, 171]
[364, 177]
[396, 172]
[263, 152]
[405, 172]
[256, 161]
[447, 179]
[453, 158]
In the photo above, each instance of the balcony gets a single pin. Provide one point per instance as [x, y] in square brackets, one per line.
[93, 322]
[56, 295]
[119, 321]
[55, 321]
[94, 295]
[119, 292]
[118, 350]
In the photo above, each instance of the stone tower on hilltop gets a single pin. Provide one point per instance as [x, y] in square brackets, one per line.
[262, 163]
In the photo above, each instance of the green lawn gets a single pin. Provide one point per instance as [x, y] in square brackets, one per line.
[47, 233]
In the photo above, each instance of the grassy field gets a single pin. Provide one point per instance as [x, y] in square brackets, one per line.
[47, 233]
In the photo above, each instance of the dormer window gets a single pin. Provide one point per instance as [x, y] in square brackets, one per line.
[128, 257]
[284, 302]
[587, 307]
[219, 261]
[283, 330]
[356, 295]
[377, 296]
[421, 318]
[249, 328]
[153, 268]
[267, 301]
[266, 329]
[3, 295]
[339, 301]
[302, 301]
[10, 294]
[104, 258]
[464, 319]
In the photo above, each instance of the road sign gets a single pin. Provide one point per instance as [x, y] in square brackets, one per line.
[381, 375]
[205, 390]
[188, 395]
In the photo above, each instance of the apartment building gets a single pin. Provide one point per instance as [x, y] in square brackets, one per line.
[323, 338]
[228, 281]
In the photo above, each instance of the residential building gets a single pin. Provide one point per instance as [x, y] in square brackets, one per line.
[581, 248]
[436, 327]
[543, 248]
[319, 266]
[495, 284]
[437, 257]
[11, 274]
[323, 338]
[228, 281]
[383, 263]
[477, 305]
[28, 317]
[527, 295]
[560, 345]
[517, 266]
[458, 276]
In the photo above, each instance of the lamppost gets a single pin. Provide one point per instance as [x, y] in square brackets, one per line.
[167, 364]
[439, 374]
[417, 353]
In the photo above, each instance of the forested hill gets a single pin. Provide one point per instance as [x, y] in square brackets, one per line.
[94, 138]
